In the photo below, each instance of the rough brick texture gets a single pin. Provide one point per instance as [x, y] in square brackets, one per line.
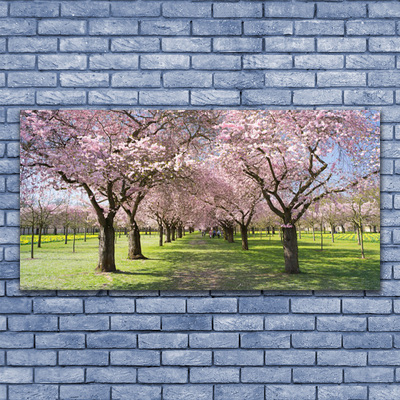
[199, 345]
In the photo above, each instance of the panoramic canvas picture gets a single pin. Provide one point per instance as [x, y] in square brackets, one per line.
[200, 200]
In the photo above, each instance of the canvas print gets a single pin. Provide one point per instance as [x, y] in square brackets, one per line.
[200, 200]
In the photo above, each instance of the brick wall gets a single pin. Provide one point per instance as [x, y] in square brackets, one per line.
[199, 345]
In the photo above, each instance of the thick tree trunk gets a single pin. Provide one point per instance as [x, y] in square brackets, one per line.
[106, 248]
[40, 237]
[167, 233]
[161, 233]
[135, 247]
[290, 250]
[173, 232]
[343, 230]
[229, 235]
[55, 230]
[244, 235]
[179, 232]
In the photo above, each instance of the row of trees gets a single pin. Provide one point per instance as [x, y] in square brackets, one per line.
[206, 168]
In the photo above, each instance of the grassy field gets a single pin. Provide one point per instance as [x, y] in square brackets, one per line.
[199, 263]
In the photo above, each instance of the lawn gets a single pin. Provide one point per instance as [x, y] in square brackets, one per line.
[200, 263]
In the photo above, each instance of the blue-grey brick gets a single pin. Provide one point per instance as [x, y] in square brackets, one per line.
[87, 392]
[114, 61]
[321, 340]
[186, 10]
[135, 357]
[269, 97]
[60, 340]
[345, 10]
[262, 340]
[61, 27]
[61, 61]
[85, 9]
[214, 340]
[396, 275]
[17, 61]
[135, 9]
[187, 323]
[369, 374]
[214, 375]
[101, 306]
[31, 357]
[59, 375]
[3, 9]
[32, 45]
[264, 375]
[238, 357]
[345, 392]
[325, 306]
[384, 10]
[387, 323]
[212, 305]
[165, 28]
[288, 10]
[341, 323]
[319, 61]
[111, 375]
[16, 340]
[17, 26]
[186, 357]
[186, 79]
[342, 78]
[263, 305]
[32, 323]
[83, 79]
[288, 44]
[384, 357]
[36, 9]
[342, 358]
[83, 357]
[179, 392]
[16, 375]
[177, 97]
[367, 340]
[290, 392]
[217, 27]
[57, 306]
[136, 392]
[268, 27]
[194, 45]
[289, 357]
[13, 305]
[162, 375]
[87, 45]
[317, 375]
[237, 45]
[135, 44]
[135, 322]
[317, 27]
[32, 79]
[381, 79]
[240, 323]
[32, 392]
[64, 97]
[289, 79]
[289, 323]
[239, 392]
[3, 322]
[84, 322]
[237, 10]
[386, 202]
[368, 97]
[111, 340]
[367, 306]
[370, 61]
[381, 392]
[313, 97]
[365, 27]
[9, 271]
[387, 44]
[341, 45]
[2, 81]
[216, 62]
[164, 61]
[109, 96]
[112, 26]
[163, 340]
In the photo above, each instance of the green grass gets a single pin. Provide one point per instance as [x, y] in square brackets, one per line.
[199, 263]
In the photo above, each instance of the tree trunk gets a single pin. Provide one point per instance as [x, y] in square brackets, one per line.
[290, 250]
[273, 230]
[161, 232]
[243, 233]
[135, 247]
[253, 230]
[167, 233]
[173, 231]
[229, 235]
[84, 239]
[106, 248]
[362, 241]
[358, 236]
[39, 244]
[150, 230]
[179, 232]
[32, 240]
[66, 235]
[55, 230]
